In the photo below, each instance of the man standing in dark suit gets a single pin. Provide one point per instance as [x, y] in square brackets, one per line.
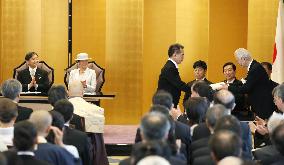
[200, 68]
[257, 85]
[169, 79]
[11, 89]
[33, 78]
[240, 110]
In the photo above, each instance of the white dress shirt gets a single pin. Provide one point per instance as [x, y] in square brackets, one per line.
[89, 76]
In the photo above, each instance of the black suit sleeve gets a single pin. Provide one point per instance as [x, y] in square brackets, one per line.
[174, 78]
[42, 81]
[23, 77]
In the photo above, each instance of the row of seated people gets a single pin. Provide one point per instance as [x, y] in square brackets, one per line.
[70, 133]
[207, 133]
[37, 76]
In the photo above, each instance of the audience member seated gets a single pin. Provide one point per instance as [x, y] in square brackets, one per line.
[153, 160]
[227, 99]
[72, 136]
[25, 138]
[11, 89]
[93, 114]
[225, 143]
[54, 154]
[94, 120]
[277, 139]
[200, 69]
[8, 115]
[33, 78]
[58, 122]
[178, 130]
[196, 108]
[58, 92]
[150, 148]
[85, 75]
[155, 126]
[266, 154]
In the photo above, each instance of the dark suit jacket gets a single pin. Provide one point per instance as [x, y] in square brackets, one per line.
[202, 160]
[80, 141]
[266, 154]
[14, 159]
[173, 161]
[182, 132]
[203, 142]
[78, 122]
[258, 89]
[169, 80]
[23, 113]
[28, 160]
[41, 78]
[188, 94]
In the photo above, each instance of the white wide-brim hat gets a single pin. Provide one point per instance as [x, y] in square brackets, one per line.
[82, 56]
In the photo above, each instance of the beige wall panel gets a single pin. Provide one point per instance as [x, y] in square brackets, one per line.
[227, 32]
[192, 31]
[55, 36]
[89, 29]
[262, 15]
[12, 36]
[124, 60]
[159, 31]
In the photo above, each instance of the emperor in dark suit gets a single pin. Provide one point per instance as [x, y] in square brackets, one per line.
[33, 78]
[257, 85]
[169, 79]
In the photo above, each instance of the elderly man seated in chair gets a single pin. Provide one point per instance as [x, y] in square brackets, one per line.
[93, 114]
[33, 78]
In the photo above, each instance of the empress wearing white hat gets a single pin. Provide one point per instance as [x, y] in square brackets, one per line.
[84, 74]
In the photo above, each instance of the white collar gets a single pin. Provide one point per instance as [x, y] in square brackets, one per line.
[249, 64]
[32, 68]
[26, 153]
[229, 82]
[173, 62]
[41, 139]
[201, 79]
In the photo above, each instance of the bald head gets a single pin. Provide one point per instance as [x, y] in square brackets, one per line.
[42, 121]
[225, 98]
[75, 89]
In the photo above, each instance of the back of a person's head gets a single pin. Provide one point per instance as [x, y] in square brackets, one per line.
[164, 98]
[274, 120]
[75, 88]
[225, 143]
[11, 89]
[279, 91]
[160, 108]
[214, 113]
[225, 98]
[174, 48]
[200, 64]
[153, 160]
[230, 123]
[25, 136]
[57, 121]
[203, 89]
[65, 108]
[231, 160]
[148, 148]
[267, 64]
[8, 110]
[154, 126]
[277, 138]
[55, 93]
[42, 120]
[196, 108]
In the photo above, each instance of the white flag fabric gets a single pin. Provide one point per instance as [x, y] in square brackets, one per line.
[278, 60]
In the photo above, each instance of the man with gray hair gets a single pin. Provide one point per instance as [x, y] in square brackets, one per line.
[278, 95]
[257, 85]
[54, 154]
[11, 89]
